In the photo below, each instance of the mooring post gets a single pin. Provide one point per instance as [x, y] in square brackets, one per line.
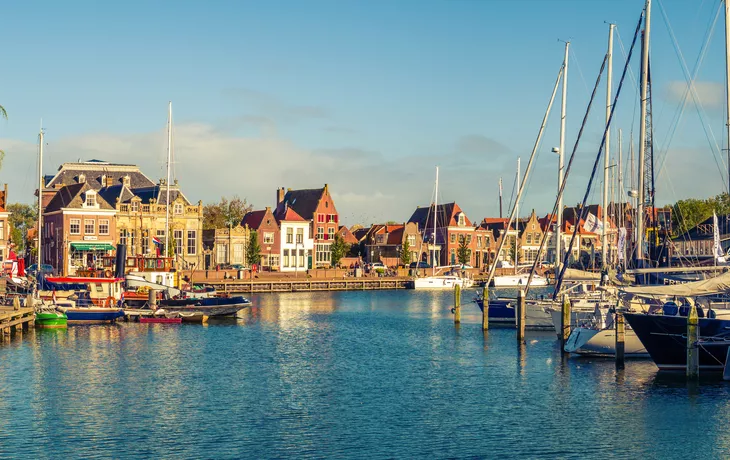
[457, 304]
[693, 336]
[620, 338]
[152, 299]
[520, 315]
[485, 308]
[565, 322]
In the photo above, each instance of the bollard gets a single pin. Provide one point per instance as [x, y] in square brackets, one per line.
[485, 308]
[16, 303]
[152, 300]
[520, 315]
[457, 304]
[565, 321]
[693, 352]
[620, 339]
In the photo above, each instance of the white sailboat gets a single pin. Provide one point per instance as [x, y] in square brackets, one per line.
[435, 281]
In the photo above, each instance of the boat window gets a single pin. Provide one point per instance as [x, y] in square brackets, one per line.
[159, 279]
[98, 287]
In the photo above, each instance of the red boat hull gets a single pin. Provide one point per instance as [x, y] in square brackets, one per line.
[162, 320]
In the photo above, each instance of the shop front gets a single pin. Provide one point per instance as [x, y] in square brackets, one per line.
[86, 259]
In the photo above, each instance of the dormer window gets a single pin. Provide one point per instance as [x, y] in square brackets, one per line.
[82, 178]
[90, 201]
[125, 181]
[135, 206]
[461, 220]
[178, 208]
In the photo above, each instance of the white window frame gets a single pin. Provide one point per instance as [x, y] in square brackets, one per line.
[77, 223]
[268, 237]
[89, 223]
[102, 224]
[194, 239]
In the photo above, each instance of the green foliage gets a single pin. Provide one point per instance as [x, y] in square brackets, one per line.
[462, 253]
[686, 214]
[226, 213]
[253, 250]
[338, 249]
[22, 217]
[405, 253]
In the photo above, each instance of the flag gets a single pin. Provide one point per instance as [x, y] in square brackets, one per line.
[621, 243]
[592, 224]
[156, 240]
[716, 247]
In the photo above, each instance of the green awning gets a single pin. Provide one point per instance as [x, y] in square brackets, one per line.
[92, 247]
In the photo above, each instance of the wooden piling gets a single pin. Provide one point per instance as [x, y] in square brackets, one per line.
[693, 336]
[457, 304]
[152, 299]
[520, 316]
[620, 339]
[485, 308]
[565, 325]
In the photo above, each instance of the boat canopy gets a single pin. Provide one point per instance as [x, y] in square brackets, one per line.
[710, 286]
[573, 274]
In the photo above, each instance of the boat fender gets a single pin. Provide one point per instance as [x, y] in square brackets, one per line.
[453, 310]
[108, 273]
[110, 301]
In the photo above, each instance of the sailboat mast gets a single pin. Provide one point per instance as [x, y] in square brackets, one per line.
[40, 198]
[435, 216]
[727, 83]
[561, 161]
[642, 136]
[517, 214]
[604, 240]
[620, 178]
[169, 158]
[500, 197]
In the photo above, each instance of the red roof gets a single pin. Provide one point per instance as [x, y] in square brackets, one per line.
[395, 236]
[253, 219]
[289, 215]
[347, 235]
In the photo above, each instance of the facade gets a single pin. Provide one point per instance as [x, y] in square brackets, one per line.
[296, 244]
[452, 227]
[141, 208]
[225, 246]
[385, 242]
[266, 227]
[495, 228]
[5, 243]
[698, 242]
[317, 207]
[79, 228]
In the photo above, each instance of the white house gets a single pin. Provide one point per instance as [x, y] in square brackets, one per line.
[296, 242]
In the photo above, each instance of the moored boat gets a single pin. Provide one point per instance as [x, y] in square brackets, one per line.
[51, 319]
[207, 306]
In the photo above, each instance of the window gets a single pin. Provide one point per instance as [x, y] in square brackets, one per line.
[331, 233]
[461, 220]
[323, 254]
[132, 241]
[89, 226]
[320, 233]
[221, 256]
[2, 231]
[237, 253]
[123, 236]
[135, 206]
[453, 237]
[479, 241]
[332, 218]
[75, 228]
[300, 235]
[529, 238]
[285, 262]
[468, 239]
[91, 198]
[289, 237]
[268, 237]
[177, 236]
[177, 208]
[411, 240]
[145, 241]
[103, 226]
[320, 218]
[301, 257]
[192, 242]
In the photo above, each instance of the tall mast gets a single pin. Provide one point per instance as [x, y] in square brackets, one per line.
[620, 178]
[169, 158]
[727, 82]
[604, 240]
[517, 214]
[561, 161]
[40, 198]
[500, 197]
[642, 136]
[435, 216]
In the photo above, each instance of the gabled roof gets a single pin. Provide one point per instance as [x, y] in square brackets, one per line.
[254, 219]
[446, 216]
[287, 214]
[121, 192]
[395, 236]
[304, 202]
[347, 235]
[159, 193]
[72, 196]
[361, 233]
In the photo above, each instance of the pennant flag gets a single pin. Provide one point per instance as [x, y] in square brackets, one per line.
[716, 247]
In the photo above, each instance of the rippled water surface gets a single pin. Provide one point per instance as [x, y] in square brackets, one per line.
[343, 375]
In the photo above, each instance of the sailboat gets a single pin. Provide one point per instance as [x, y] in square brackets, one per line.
[46, 316]
[435, 281]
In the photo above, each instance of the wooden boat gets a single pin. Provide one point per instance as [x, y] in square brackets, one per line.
[160, 319]
[208, 306]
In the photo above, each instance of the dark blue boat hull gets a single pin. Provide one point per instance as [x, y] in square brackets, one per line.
[665, 338]
[500, 310]
[93, 315]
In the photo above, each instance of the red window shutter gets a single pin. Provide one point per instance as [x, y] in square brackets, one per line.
[336, 218]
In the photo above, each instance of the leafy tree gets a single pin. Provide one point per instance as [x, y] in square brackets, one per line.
[226, 213]
[462, 253]
[338, 249]
[3, 114]
[22, 217]
[405, 253]
[253, 249]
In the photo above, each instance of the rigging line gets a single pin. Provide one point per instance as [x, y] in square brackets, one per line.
[685, 234]
[580, 72]
[561, 190]
[692, 89]
[583, 209]
[637, 94]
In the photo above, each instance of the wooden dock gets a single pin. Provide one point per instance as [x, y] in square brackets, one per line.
[15, 319]
[307, 285]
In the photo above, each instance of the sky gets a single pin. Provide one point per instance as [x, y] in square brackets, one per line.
[366, 96]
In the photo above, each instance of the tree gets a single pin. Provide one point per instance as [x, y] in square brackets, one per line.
[463, 252]
[338, 249]
[405, 253]
[226, 213]
[3, 114]
[22, 217]
[253, 250]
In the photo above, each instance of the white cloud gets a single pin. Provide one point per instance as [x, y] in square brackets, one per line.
[711, 94]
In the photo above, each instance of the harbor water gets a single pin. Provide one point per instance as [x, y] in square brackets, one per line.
[342, 375]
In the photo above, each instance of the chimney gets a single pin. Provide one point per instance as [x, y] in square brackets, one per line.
[280, 195]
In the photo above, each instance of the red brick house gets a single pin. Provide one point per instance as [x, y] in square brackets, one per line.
[79, 228]
[452, 227]
[317, 207]
[384, 243]
[267, 230]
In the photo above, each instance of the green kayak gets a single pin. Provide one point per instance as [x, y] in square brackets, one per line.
[51, 319]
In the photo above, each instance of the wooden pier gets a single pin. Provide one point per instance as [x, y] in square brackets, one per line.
[307, 285]
[15, 319]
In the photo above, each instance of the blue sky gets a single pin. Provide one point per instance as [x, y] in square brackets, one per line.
[367, 96]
